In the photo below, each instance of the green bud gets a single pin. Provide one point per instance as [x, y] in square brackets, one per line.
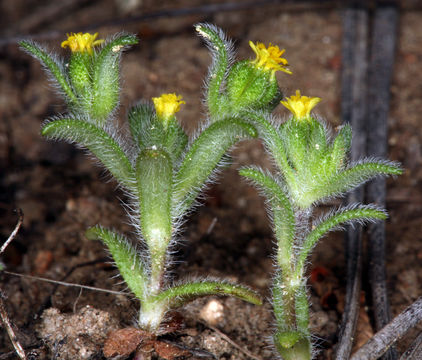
[251, 87]
[80, 77]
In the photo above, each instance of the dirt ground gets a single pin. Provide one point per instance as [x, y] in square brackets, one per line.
[62, 192]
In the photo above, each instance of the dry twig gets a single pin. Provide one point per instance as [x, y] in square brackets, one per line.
[14, 232]
[354, 106]
[65, 283]
[230, 341]
[388, 335]
[414, 352]
[3, 313]
[380, 74]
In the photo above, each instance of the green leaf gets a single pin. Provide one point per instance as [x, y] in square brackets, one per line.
[141, 119]
[302, 309]
[179, 295]
[79, 70]
[318, 145]
[106, 73]
[203, 157]
[154, 174]
[126, 258]
[51, 63]
[148, 131]
[273, 142]
[248, 87]
[101, 144]
[176, 141]
[357, 213]
[278, 301]
[282, 213]
[340, 148]
[295, 136]
[221, 50]
[354, 176]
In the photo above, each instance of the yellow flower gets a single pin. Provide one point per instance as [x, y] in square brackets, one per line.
[301, 106]
[269, 58]
[81, 42]
[167, 105]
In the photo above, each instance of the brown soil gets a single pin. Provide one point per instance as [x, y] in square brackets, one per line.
[62, 191]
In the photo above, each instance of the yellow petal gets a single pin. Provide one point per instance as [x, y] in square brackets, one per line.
[167, 105]
[78, 42]
[269, 58]
[300, 106]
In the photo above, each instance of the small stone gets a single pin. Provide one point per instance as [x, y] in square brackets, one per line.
[212, 312]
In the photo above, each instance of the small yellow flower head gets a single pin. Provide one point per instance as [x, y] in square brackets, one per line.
[167, 105]
[269, 58]
[301, 106]
[81, 42]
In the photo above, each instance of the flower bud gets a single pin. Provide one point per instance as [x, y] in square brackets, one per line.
[252, 84]
[81, 60]
[166, 106]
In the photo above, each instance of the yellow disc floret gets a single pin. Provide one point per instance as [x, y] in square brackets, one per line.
[269, 58]
[81, 42]
[167, 105]
[300, 106]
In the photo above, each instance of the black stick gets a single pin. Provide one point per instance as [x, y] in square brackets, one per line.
[386, 337]
[3, 313]
[354, 110]
[414, 352]
[380, 73]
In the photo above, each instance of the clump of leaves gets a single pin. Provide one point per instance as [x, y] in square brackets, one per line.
[159, 167]
[312, 167]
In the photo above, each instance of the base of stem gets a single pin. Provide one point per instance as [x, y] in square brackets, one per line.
[301, 350]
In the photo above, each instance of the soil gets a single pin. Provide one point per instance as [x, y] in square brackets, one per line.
[62, 191]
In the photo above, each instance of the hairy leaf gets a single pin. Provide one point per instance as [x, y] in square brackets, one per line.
[141, 119]
[359, 213]
[179, 295]
[154, 174]
[221, 50]
[126, 258]
[282, 212]
[106, 72]
[354, 176]
[101, 144]
[203, 157]
[273, 142]
[54, 66]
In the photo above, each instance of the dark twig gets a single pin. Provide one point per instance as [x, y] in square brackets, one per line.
[354, 109]
[3, 313]
[9, 328]
[48, 301]
[231, 342]
[386, 337]
[65, 283]
[207, 9]
[380, 73]
[46, 12]
[414, 352]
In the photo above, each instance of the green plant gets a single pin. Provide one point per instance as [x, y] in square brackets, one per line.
[161, 170]
[312, 167]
